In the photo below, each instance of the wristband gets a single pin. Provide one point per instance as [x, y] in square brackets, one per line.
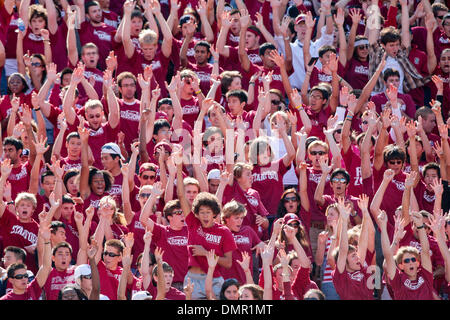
[350, 113]
[198, 92]
[46, 242]
[421, 227]
[349, 117]
[37, 109]
[299, 108]
[252, 82]
[10, 202]
[287, 38]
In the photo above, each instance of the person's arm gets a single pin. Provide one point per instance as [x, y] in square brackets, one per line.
[92, 252]
[161, 282]
[212, 262]
[339, 19]
[378, 197]
[206, 26]
[437, 225]
[303, 189]
[145, 262]
[425, 258]
[132, 164]
[307, 42]
[321, 246]
[85, 189]
[245, 21]
[6, 168]
[128, 45]
[113, 104]
[348, 101]
[23, 12]
[344, 212]
[356, 16]
[145, 4]
[34, 176]
[144, 218]
[178, 160]
[284, 28]
[166, 47]
[425, 141]
[21, 62]
[245, 265]
[389, 262]
[368, 88]
[285, 273]
[267, 258]
[259, 23]
[69, 97]
[46, 267]
[305, 262]
[335, 79]
[367, 237]
[290, 151]
[405, 33]
[382, 140]
[431, 56]
[414, 161]
[318, 194]
[51, 16]
[126, 271]
[126, 204]
[373, 22]
[71, 41]
[223, 34]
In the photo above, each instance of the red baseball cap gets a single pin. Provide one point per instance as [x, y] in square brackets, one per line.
[300, 18]
[291, 217]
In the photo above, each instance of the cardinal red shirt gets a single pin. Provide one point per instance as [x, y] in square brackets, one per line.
[109, 280]
[33, 292]
[129, 121]
[102, 36]
[352, 285]
[357, 73]
[419, 289]
[190, 109]
[217, 237]
[20, 178]
[56, 281]
[174, 244]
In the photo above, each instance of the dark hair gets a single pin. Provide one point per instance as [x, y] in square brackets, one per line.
[389, 34]
[67, 199]
[125, 75]
[106, 176]
[170, 207]
[159, 124]
[227, 78]
[164, 101]
[47, 173]
[264, 47]
[71, 135]
[38, 11]
[19, 253]
[55, 225]
[325, 49]
[203, 43]
[239, 93]
[77, 290]
[392, 151]
[430, 166]
[90, 4]
[341, 172]
[65, 71]
[41, 57]
[15, 266]
[208, 200]
[281, 211]
[390, 72]
[226, 284]
[137, 14]
[69, 174]
[166, 268]
[18, 144]
[322, 90]
[24, 82]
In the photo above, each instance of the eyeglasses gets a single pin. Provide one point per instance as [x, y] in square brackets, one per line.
[36, 64]
[408, 260]
[276, 102]
[111, 254]
[288, 199]
[294, 225]
[88, 276]
[394, 162]
[338, 131]
[341, 180]
[146, 177]
[316, 97]
[21, 276]
[363, 46]
[365, 122]
[178, 212]
[320, 153]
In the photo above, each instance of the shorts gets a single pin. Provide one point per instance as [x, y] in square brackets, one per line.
[10, 67]
[198, 280]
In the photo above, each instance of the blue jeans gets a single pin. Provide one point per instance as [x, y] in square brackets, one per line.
[329, 291]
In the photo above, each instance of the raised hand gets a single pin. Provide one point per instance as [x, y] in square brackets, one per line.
[40, 145]
[323, 237]
[410, 179]
[437, 187]
[26, 116]
[128, 240]
[382, 220]
[212, 258]
[92, 249]
[6, 167]
[53, 202]
[245, 263]
[157, 189]
[147, 236]
[245, 19]
[363, 202]
[339, 17]
[326, 169]
[388, 175]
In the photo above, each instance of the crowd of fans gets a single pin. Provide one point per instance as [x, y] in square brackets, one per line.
[199, 149]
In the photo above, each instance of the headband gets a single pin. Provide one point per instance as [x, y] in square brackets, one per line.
[361, 42]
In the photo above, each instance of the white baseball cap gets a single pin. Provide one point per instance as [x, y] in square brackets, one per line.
[141, 295]
[82, 270]
[214, 174]
[112, 148]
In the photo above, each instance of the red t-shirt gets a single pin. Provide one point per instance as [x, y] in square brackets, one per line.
[313, 178]
[204, 75]
[357, 73]
[129, 121]
[407, 104]
[245, 240]
[102, 36]
[33, 292]
[191, 109]
[110, 18]
[138, 230]
[97, 138]
[218, 237]
[174, 244]
[352, 285]
[352, 161]
[406, 289]
[109, 280]
[20, 179]
[56, 281]
[424, 197]
[19, 234]
[268, 181]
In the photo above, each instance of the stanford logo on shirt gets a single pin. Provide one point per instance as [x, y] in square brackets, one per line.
[444, 40]
[18, 176]
[271, 175]
[410, 285]
[102, 35]
[203, 76]
[252, 200]
[190, 109]
[130, 115]
[138, 225]
[239, 239]
[362, 70]
[324, 77]
[213, 238]
[190, 52]
[94, 133]
[254, 58]
[429, 197]
[399, 184]
[115, 189]
[27, 235]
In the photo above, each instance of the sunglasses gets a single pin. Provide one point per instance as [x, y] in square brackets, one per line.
[288, 199]
[319, 153]
[146, 177]
[21, 276]
[364, 46]
[88, 276]
[294, 225]
[408, 260]
[440, 17]
[111, 254]
[338, 131]
[341, 180]
[36, 64]
[276, 102]
[393, 162]
[365, 122]
[178, 212]
[144, 195]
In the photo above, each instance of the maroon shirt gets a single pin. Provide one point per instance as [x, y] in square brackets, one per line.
[357, 73]
[352, 285]
[33, 292]
[406, 289]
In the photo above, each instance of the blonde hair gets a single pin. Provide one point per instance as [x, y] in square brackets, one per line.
[316, 143]
[232, 208]
[118, 217]
[26, 196]
[148, 36]
[239, 168]
[403, 250]
[354, 234]
[92, 104]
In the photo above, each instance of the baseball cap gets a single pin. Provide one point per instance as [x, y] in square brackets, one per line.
[82, 270]
[291, 217]
[161, 115]
[214, 174]
[300, 18]
[112, 148]
[165, 145]
[142, 295]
